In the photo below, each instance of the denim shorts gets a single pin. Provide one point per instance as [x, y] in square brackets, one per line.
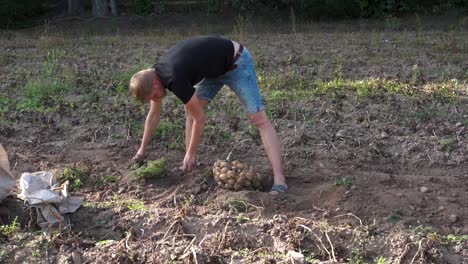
[242, 81]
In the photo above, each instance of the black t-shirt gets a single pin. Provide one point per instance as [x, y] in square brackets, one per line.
[189, 61]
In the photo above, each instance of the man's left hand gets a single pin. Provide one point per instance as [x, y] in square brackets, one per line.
[190, 163]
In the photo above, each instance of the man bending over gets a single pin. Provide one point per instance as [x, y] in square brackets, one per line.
[194, 70]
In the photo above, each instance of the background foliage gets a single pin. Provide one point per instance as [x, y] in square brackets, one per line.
[20, 13]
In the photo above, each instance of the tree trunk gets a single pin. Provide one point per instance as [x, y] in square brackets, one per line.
[113, 4]
[74, 7]
[99, 8]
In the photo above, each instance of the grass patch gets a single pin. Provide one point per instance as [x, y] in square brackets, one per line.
[41, 96]
[428, 114]
[292, 87]
[44, 92]
[4, 105]
[171, 134]
[153, 169]
[167, 130]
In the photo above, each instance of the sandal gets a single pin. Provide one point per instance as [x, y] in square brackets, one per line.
[279, 189]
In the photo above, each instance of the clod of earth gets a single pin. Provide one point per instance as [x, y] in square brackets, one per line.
[236, 175]
[152, 169]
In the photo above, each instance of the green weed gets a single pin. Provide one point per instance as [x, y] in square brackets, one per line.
[36, 253]
[104, 242]
[137, 127]
[167, 130]
[41, 96]
[11, 229]
[236, 205]
[4, 105]
[43, 92]
[345, 181]
[270, 255]
[121, 80]
[380, 260]
[357, 257]
[309, 258]
[135, 205]
[393, 217]
[242, 219]
[445, 91]
[457, 239]
[287, 86]
[3, 256]
[448, 144]
[152, 169]
[427, 114]
[3, 59]
[74, 176]
[426, 231]
[106, 180]
[171, 133]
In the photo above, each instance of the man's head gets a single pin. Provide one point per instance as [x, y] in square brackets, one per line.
[145, 85]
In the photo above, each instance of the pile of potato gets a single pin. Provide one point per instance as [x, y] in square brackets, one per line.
[236, 175]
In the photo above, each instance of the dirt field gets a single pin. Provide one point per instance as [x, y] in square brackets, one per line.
[372, 116]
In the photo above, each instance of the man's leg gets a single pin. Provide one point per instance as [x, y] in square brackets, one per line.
[243, 81]
[272, 146]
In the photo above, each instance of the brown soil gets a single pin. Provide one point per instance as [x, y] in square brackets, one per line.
[407, 168]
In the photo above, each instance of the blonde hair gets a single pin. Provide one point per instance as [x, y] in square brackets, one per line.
[141, 84]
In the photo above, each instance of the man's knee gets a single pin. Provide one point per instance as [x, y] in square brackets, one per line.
[259, 119]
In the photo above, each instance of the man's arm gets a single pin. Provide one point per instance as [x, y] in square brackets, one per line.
[151, 124]
[194, 109]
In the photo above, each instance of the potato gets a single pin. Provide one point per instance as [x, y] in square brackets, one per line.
[251, 176]
[240, 179]
[235, 175]
[223, 177]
